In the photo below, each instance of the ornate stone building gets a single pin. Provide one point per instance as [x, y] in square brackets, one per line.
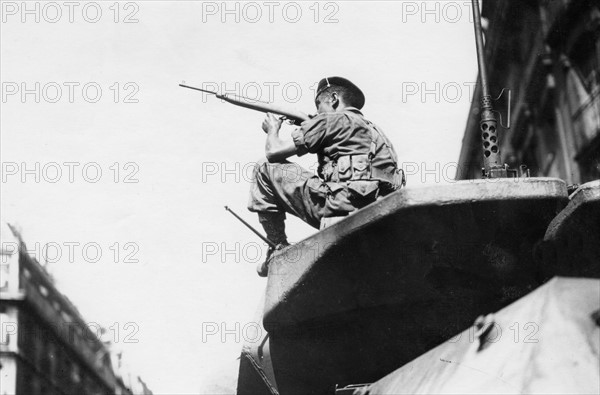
[46, 347]
[548, 53]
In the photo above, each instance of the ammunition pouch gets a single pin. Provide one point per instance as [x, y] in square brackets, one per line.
[363, 190]
[362, 178]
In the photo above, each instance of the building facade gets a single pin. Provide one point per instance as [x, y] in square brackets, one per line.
[46, 347]
[548, 53]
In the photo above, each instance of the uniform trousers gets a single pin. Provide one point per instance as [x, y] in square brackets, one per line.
[288, 187]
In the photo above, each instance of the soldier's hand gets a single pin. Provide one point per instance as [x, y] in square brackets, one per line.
[271, 123]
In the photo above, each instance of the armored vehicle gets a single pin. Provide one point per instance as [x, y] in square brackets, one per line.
[486, 285]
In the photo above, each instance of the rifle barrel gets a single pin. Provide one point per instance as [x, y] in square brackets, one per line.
[256, 232]
[296, 116]
[197, 89]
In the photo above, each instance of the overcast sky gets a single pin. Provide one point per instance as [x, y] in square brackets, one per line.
[108, 155]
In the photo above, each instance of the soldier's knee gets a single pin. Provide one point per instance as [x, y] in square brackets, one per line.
[277, 172]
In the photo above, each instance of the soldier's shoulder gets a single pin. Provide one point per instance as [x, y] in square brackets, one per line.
[352, 112]
[337, 118]
[332, 116]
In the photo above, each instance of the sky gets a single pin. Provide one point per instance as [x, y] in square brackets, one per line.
[117, 177]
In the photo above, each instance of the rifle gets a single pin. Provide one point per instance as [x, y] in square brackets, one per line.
[256, 232]
[296, 117]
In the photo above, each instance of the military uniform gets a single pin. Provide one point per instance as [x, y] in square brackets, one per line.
[357, 164]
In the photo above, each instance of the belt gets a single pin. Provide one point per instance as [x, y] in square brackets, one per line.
[358, 167]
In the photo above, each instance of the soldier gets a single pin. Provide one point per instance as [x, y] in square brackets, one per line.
[357, 165]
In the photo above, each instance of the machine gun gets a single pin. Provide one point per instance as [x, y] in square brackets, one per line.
[492, 160]
[295, 117]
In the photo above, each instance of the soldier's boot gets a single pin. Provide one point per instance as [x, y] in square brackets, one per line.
[274, 226]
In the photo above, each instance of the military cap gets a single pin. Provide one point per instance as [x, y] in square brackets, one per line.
[339, 81]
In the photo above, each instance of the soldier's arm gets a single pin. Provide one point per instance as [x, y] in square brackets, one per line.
[276, 149]
[311, 136]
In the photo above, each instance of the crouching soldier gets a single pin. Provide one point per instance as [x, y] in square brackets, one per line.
[357, 165]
